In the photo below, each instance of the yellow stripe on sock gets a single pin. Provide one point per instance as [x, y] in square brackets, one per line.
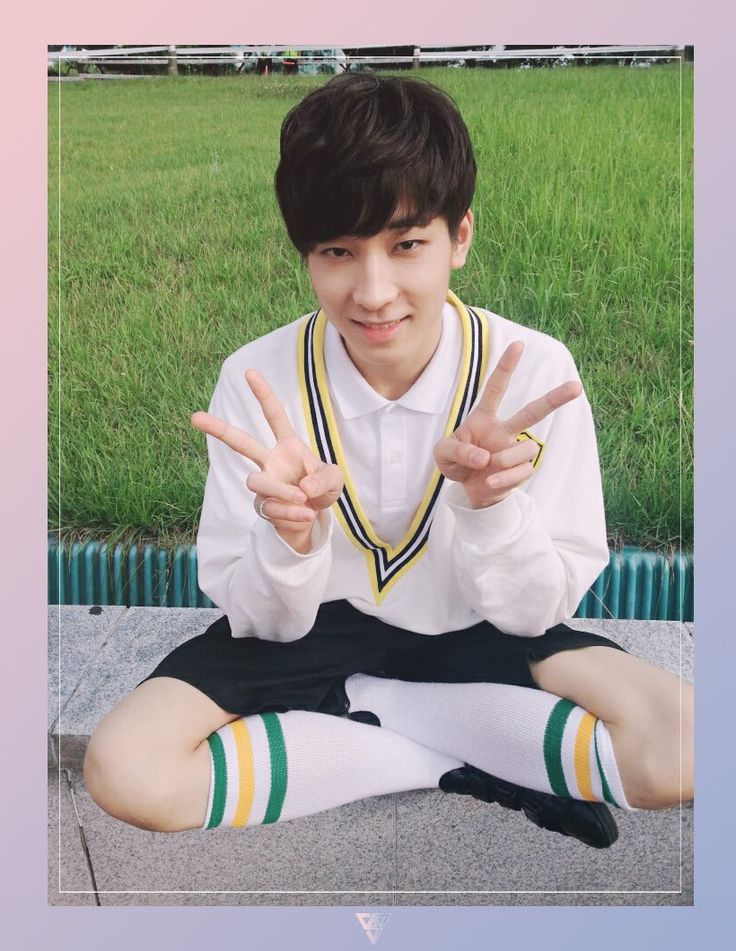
[583, 739]
[245, 773]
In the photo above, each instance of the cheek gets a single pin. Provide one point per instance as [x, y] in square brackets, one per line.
[322, 286]
[328, 281]
[330, 297]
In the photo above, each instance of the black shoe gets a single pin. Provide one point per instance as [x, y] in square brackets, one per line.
[590, 822]
[364, 716]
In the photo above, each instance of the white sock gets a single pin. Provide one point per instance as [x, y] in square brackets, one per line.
[278, 766]
[526, 736]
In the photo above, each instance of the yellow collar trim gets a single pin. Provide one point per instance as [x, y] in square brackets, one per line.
[385, 563]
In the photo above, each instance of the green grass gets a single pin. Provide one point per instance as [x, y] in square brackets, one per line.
[173, 255]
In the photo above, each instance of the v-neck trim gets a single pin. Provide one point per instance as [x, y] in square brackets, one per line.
[352, 395]
[386, 563]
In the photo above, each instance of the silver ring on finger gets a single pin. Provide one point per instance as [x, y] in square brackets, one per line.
[260, 506]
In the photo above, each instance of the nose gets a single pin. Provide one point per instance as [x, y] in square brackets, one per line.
[374, 286]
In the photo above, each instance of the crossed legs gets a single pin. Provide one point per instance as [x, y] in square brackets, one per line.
[148, 762]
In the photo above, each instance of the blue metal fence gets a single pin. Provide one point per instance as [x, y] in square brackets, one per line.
[637, 584]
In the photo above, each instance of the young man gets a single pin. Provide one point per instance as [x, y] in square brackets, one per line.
[403, 504]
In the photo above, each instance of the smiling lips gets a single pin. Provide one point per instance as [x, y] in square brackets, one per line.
[379, 332]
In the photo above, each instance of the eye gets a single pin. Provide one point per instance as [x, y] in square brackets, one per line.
[410, 244]
[335, 252]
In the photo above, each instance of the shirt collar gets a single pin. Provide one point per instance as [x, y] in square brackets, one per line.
[355, 397]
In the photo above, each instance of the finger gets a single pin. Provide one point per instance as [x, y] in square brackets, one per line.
[452, 451]
[498, 381]
[236, 439]
[524, 451]
[537, 410]
[455, 458]
[326, 481]
[268, 487]
[510, 478]
[275, 511]
[273, 411]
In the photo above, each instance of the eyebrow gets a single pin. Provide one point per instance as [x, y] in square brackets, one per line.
[405, 223]
[398, 225]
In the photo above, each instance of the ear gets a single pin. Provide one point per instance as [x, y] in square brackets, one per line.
[461, 245]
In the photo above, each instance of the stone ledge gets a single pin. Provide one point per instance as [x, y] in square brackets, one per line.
[417, 848]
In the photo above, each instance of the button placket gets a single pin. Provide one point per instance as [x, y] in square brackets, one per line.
[393, 456]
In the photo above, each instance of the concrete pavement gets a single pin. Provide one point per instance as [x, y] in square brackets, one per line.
[417, 848]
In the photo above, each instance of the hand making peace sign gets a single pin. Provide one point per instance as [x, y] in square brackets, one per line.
[483, 453]
[293, 484]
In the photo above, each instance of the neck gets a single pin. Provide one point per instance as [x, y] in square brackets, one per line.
[389, 386]
[392, 381]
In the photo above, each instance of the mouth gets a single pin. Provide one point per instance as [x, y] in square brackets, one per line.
[383, 331]
[379, 331]
[380, 323]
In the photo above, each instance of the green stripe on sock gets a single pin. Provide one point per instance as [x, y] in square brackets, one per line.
[277, 750]
[553, 746]
[606, 790]
[219, 766]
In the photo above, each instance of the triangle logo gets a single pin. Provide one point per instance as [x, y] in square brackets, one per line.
[372, 923]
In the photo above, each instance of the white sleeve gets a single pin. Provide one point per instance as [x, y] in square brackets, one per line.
[525, 563]
[267, 589]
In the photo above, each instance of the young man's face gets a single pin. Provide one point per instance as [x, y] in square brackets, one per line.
[384, 295]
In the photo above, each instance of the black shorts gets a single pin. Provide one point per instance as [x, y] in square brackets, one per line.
[246, 675]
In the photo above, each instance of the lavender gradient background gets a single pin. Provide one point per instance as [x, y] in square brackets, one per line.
[27, 921]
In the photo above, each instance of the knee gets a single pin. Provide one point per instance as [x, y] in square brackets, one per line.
[664, 759]
[128, 784]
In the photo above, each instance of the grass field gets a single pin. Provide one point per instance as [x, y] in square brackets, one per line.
[173, 255]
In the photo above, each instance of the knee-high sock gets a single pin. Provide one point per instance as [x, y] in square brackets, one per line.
[277, 766]
[526, 736]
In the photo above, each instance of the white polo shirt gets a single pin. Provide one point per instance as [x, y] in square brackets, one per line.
[388, 444]
[402, 543]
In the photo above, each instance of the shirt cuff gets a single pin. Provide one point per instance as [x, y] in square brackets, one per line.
[279, 553]
[500, 521]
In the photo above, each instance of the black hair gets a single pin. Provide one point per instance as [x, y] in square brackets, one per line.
[362, 149]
